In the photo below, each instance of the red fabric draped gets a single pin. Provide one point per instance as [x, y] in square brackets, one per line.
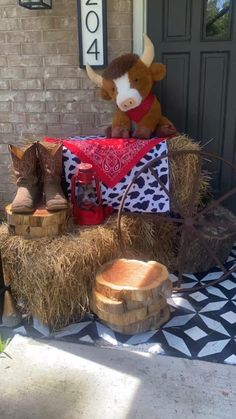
[112, 158]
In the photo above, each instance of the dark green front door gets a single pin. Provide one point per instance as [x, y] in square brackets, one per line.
[196, 39]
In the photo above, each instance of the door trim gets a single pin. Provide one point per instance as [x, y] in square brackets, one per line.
[139, 24]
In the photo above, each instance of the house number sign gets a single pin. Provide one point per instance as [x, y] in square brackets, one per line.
[92, 29]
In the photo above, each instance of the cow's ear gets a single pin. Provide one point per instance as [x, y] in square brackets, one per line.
[104, 94]
[158, 71]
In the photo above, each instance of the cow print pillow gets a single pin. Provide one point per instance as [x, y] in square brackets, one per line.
[146, 195]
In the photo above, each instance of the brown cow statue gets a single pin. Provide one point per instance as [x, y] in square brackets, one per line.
[128, 80]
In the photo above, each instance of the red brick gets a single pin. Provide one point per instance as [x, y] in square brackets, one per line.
[116, 19]
[88, 130]
[24, 61]
[33, 72]
[7, 2]
[63, 84]
[59, 36]
[77, 96]
[23, 36]
[99, 107]
[34, 84]
[4, 85]
[5, 106]
[35, 96]
[29, 107]
[47, 118]
[40, 72]
[67, 47]
[62, 130]
[2, 37]
[104, 118]
[80, 118]
[119, 6]
[42, 48]
[60, 60]
[68, 22]
[10, 49]
[52, 96]
[86, 83]
[6, 128]
[120, 33]
[12, 96]
[12, 117]
[36, 23]
[11, 73]
[31, 129]
[63, 107]
[9, 24]
[71, 72]
[3, 61]
[64, 8]
[9, 12]
[42, 96]
[120, 47]
[7, 139]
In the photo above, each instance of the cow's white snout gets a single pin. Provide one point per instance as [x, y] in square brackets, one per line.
[127, 97]
[128, 104]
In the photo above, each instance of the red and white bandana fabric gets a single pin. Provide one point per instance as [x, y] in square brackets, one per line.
[111, 158]
[146, 194]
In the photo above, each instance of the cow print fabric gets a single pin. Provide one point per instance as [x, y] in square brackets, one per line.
[146, 195]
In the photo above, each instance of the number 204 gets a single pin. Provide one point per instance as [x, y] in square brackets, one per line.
[92, 23]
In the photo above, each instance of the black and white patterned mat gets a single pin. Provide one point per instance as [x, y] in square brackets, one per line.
[202, 324]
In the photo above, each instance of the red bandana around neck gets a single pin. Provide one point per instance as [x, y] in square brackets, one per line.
[138, 113]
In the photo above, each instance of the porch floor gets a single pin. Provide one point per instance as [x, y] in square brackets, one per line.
[202, 324]
[64, 380]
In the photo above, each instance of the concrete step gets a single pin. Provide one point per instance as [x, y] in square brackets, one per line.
[61, 380]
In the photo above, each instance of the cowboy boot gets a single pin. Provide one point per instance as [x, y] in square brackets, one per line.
[50, 157]
[25, 168]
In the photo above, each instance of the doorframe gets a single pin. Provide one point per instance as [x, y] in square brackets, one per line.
[139, 24]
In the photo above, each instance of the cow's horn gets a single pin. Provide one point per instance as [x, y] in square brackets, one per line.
[148, 53]
[96, 78]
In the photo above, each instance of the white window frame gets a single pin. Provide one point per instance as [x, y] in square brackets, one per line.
[139, 24]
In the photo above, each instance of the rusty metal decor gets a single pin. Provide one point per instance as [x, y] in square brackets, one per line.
[188, 220]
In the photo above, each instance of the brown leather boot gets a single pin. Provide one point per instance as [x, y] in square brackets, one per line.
[50, 157]
[25, 168]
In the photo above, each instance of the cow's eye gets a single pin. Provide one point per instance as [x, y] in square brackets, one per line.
[136, 79]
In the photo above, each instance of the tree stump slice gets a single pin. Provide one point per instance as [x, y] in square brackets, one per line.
[151, 323]
[114, 306]
[118, 307]
[130, 295]
[40, 223]
[131, 316]
[132, 280]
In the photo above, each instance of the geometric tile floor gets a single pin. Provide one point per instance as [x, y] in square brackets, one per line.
[202, 324]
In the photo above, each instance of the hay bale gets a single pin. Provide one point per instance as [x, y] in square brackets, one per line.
[53, 277]
[182, 173]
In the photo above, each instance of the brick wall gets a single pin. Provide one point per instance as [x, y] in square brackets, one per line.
[42, 89]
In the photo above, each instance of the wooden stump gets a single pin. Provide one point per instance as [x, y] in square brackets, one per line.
[130, 295]
[40, 223]
[132, 280]
[150, 323]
